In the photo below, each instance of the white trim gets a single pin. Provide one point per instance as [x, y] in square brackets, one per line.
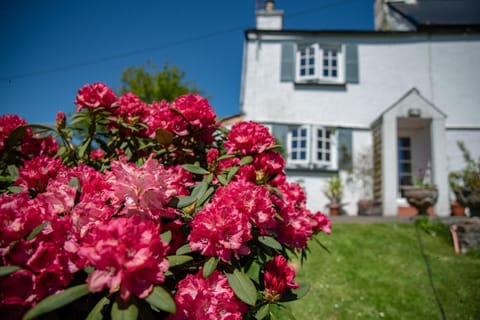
[319, 49]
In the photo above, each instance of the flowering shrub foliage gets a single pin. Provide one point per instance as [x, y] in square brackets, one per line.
[135, 210]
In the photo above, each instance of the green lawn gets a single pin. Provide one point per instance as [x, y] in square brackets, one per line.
[377, 271]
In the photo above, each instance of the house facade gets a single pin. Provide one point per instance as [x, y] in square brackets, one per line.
[378, 108]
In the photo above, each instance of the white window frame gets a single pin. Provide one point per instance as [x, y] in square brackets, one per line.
[319, 49]
[332, 150]
[308, 143]
[312, 148]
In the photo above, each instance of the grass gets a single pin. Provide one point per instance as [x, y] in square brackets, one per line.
[377, 271]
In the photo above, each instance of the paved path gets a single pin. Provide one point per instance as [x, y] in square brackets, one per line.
[388, 219]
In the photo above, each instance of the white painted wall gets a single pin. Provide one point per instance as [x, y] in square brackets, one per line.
[444, 68]
[445, 71]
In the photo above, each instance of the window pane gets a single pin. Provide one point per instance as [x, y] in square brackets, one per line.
[311, 71]
[327, 145]
[294, 144]
[403, 142]
[320, 144]
[302, 72]
[325, 62]
[303, 144]
[319, 133]
[303, 132]
[319, 156]
[334, 73]
[294, 155]
[327, 134]
[303, 155]
[294, 133]
[311, 61]
[327, 156]
[334, 63]
[302, 62]
[325, 73]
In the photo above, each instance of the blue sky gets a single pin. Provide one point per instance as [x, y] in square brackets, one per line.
[50, 48]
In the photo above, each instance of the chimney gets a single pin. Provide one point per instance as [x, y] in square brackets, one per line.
[269, 18]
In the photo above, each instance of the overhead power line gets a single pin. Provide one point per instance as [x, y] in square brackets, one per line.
[161, 47]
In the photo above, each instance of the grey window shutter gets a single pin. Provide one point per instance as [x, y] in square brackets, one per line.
[280, 132]
[287, 67]
[345, 161]
[351, 63]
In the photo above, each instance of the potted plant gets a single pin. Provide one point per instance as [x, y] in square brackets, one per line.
[334, 193]
[465, 183]
[422, 194]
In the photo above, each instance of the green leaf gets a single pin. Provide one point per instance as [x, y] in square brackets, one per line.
[199, 189]
[13, 172]
[163, 136]
[209, 267]
[280, 312]
[195, 169]
[231, 172]
[162, 300]
[74, 182]
[56, 301]
[253, 272]
[6, 270]
[166, 236]
[124, 311]
[37, 230]
[96, 312]
[243, 287]
[270, 242]
[82, 150]
[226, 156]
[222, 179]
[205, 196]
[262, 312]
[15, 189]
[296, 294]
[183, 249]
[246, 160]
[184, 201]
[15, 136]
[41, 127]
[178, 260]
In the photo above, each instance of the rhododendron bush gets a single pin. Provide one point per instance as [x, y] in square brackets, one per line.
[134, 210]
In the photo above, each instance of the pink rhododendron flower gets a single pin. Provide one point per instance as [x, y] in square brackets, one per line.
[8, 123]
[144, 190]
[92, 96]
[248, 137]
[278, 277]
[129, 106]
[298, 224]
[36, 172]
[16, 294]
[212, 298]
[220, 231]
[127, 254]
[251, 201]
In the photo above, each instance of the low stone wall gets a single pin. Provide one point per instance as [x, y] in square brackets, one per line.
[466, 235]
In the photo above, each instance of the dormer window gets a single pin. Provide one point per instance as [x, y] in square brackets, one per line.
[322, 63]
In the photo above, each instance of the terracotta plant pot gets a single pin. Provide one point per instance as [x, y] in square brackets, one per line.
[457, 209]
[334, 209]
[471, 199]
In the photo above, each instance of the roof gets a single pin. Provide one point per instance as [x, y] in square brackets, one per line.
[434, 14]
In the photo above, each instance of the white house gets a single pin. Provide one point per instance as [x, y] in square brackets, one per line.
[398, 97]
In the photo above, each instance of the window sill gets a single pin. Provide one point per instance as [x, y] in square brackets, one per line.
[318, 83]
[310, 167]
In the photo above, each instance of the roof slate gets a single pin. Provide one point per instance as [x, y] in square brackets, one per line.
[440, 13]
